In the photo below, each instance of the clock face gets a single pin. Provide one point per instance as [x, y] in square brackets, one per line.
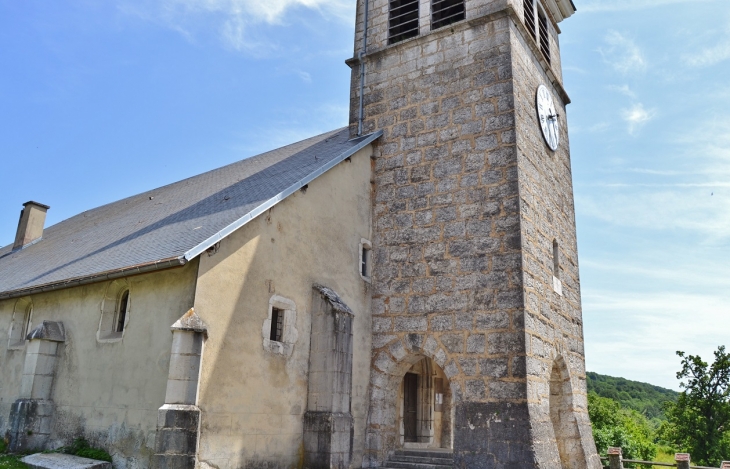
[548, 117]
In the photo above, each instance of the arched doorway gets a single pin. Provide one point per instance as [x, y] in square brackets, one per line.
[562, 415]
[424, 407]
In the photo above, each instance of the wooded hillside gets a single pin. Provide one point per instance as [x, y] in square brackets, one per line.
[644, 398]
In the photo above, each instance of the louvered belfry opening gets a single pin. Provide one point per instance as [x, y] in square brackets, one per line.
[529, 6]
[544, 38]
[445, 12]
[403, 21]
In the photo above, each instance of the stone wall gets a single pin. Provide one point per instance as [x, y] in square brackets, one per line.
[457, 254]
[553, 322]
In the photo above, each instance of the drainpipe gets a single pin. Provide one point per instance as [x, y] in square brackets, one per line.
[361, 56]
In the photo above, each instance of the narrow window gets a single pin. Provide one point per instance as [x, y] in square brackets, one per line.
[403, 20]
[445, 12]
[26, 322]
[556, 259]
[529, 7]
[365, 264]
[122, 312]
[544, 38]
[277, 324]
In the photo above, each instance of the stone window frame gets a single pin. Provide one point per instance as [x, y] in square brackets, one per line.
[22, 318]
[289, 335]
[109, 314]
[365, 245]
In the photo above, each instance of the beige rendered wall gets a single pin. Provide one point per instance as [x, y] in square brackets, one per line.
[107, 392]
[253, 400]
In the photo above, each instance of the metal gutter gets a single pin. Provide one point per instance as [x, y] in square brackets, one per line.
[361, 110]
[202, 247]
[100, 277]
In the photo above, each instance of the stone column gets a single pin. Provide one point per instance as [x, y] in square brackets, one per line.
[31, 415]
[615, 461]
[682, 460]
[178, 421]
[328, 424]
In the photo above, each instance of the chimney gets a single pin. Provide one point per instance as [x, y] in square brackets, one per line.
[30, 226]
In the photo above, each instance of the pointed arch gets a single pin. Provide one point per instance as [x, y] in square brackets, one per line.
[563, 417]
[21, 323]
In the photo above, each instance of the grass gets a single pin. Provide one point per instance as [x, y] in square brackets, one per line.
[11, 461]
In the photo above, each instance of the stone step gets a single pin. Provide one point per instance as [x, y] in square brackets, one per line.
[426, 453]
[63, 461]
[422, 459]
[414, 465]
[417, 458]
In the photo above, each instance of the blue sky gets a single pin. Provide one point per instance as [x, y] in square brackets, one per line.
[104, 99]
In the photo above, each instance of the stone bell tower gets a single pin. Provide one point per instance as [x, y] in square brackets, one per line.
[475, 265]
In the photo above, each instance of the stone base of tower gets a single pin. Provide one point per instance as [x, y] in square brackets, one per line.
[515, 436]
[493, 435]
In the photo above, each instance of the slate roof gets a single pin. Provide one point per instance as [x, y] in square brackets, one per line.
[170, 225]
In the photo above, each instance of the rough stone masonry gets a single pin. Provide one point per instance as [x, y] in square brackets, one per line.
[473, 218]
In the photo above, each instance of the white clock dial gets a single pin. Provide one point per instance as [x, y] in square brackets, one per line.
[548, 117]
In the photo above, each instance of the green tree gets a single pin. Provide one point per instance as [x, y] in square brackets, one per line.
[699, 422]
[619, 427]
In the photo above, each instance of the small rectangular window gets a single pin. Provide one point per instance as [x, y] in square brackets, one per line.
[556, 259]
[277, 324]
[403, 20]
[365, 261]
[544, 37]
[445, 12]
[529, 12]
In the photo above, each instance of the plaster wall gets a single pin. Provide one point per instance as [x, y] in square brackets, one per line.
[106, 392]
[252, 399]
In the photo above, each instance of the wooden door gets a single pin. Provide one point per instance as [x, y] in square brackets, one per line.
[410, 407]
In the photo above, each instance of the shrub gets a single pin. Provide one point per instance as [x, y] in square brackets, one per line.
[80, 447]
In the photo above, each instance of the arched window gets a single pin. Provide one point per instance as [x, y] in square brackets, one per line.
[21, 323]
[115, 311]
[122, 312]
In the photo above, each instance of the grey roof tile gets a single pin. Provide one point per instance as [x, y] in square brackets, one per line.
[166, 223]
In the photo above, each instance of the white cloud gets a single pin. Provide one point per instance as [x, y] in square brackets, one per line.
[637, 116]
[621, 326]
[591, 6]
[624, 90]
[712, 55]
[623, 54]
[305, 76]
[233, 19]
[268, 11]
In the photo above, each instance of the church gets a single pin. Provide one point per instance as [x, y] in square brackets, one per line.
[400, 293]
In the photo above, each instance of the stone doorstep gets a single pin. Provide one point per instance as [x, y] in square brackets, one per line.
[63, 461]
